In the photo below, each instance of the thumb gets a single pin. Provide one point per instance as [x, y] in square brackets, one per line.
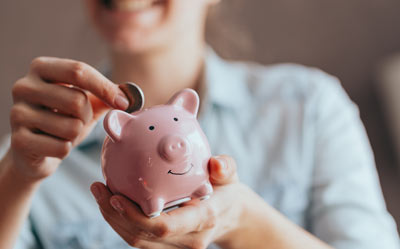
[222, 170]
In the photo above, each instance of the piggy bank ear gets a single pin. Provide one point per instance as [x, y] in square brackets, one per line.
[114, 122]
[188, 99]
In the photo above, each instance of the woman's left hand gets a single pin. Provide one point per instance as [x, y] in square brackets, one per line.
[196, 224]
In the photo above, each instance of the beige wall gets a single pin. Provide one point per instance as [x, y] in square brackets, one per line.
[343, 37]
[41, 27]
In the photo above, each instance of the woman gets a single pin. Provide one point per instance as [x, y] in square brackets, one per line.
[305, 175]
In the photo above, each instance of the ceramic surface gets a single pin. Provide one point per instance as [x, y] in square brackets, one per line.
[157, 157]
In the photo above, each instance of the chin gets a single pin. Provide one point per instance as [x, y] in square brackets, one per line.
[132, 43]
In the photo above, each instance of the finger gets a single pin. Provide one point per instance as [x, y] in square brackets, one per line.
[181, 221]
[194, 240]
[81, 75]
[115, 216]
[46, 121]
[109, 204]
[102, 195]
[222, 170]
[201, 214]
[67, 100]
[134, 216]
[136, 242]
[129, 237]
[37, 146]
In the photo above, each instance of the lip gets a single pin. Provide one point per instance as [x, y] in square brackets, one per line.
[179, 174]
[142, 18]
[129, 5]
[106, 3]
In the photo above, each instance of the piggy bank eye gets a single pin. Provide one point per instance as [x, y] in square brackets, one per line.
[176, 119]
[151, 127]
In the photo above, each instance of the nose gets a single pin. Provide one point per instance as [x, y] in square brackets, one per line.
[174, 148]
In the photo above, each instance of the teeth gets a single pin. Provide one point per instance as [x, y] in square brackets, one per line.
[133, 5]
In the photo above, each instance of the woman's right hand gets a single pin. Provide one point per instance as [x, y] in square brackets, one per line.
[55, 107]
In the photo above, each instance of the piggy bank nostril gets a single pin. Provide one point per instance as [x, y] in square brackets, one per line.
[174, 148]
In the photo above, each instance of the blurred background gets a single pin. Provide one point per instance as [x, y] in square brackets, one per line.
[358, 41]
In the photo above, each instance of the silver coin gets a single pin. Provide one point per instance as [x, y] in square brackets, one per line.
[135, 96]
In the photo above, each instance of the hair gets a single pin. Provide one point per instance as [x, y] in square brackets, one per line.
[226, 33]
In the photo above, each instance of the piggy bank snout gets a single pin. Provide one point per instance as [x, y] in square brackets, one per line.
[174, 148]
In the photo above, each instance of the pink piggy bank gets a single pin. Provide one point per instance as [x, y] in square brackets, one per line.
[157, 157]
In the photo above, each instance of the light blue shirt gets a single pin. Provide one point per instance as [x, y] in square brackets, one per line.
[298, 142]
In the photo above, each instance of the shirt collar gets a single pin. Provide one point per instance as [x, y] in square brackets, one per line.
[223, 86]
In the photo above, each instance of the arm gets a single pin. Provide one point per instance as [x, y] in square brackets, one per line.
[16, 193]
[47, 121]
[347, 207]
[234, 217]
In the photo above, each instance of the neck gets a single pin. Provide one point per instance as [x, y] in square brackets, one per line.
[162, 73]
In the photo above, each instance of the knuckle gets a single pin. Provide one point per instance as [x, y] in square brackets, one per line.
[162, 230]
[64, 150]
[20, 86]
[77, 70]
[107, 92]
[37, 63]
[133, 241]
[17, 115]
[19, 140]
[75, 128]
[79, 100]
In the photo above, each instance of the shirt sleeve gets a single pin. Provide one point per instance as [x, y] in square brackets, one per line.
[347, 207]
[26, 239]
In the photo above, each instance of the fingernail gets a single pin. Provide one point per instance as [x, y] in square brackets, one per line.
[222, 170]
[222, 163]
[117, 205]
[96, 192]
[121, 101]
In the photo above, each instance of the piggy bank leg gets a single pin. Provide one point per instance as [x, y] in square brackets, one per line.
[203, 192]
[153, 207]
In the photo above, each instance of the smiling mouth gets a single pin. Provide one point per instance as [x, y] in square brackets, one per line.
[179, 174]
[129, 5]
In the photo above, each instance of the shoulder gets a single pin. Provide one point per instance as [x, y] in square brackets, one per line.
[286, 81]
[308, 90]
[243, 81]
